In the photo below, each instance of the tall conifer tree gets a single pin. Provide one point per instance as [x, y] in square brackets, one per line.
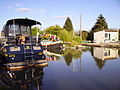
[100, 24]
[68, 25]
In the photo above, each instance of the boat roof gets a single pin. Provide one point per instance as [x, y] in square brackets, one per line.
[21, 21]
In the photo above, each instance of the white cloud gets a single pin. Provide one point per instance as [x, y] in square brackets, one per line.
[23, 9]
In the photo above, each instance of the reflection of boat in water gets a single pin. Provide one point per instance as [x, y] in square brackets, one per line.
[25, 79]
[53, 54]
[19, 49]
[57, 51]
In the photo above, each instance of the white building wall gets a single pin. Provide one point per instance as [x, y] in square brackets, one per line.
[99, 37]
[113, 36]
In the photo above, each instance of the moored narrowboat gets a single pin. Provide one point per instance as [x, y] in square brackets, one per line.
[18, 48]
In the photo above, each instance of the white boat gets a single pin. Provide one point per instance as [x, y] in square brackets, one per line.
[52, 44]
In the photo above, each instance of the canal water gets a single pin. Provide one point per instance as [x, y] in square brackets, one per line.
[85, 69]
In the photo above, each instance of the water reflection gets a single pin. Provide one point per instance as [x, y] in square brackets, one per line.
[119, 52]
[73, 56]
[25, 79]
[70, 55]
[101, 55]
[59, 76]
[105, 53]
[83, 70]
[53, 54]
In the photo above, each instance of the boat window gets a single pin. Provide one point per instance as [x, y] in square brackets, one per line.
[25, 30]
[17, 29]
[13, 29]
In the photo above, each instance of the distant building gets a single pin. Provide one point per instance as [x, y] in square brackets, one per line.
[106, 36]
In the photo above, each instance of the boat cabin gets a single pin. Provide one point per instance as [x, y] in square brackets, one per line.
[18, 31]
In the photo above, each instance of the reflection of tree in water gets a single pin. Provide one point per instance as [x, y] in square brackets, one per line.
[68, 58]
[85, 49]
[70, 54]
[27, 79]
[119, 52]
[91, 50]
[99, 63]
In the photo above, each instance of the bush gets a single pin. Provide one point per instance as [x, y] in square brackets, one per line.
[63, 34]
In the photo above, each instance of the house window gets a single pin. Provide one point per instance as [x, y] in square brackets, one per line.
[106, 35]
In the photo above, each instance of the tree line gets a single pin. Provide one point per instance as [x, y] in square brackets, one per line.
[67, 34]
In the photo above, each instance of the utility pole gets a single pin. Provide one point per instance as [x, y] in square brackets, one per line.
[80, 26]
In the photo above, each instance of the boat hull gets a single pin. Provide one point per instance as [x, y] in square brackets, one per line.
[53, 46]
[16, 57]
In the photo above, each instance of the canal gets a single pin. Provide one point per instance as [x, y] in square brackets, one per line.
[85, 69]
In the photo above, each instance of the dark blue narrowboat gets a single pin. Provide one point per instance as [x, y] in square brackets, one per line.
[18, 47]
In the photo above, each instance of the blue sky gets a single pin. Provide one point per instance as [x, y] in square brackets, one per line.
[52, 12]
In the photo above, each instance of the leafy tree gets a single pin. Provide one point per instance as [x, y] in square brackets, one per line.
[99, 26]
[85, 35]
[63, 34]
[91, 35]
[68, 25]
[76, 40]
[34, 31]
[53, 29]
